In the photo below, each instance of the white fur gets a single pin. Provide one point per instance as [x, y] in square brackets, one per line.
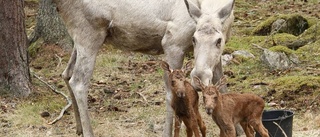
[148, 26]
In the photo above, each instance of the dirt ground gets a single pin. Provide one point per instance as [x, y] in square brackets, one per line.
[126, 97]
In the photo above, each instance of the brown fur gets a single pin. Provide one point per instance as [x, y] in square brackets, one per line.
[185, 103]
[230, 109]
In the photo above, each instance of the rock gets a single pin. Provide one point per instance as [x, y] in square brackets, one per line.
[226, 59]
[294, 24]
[279, 25]
[45, 114]
[278, 60]
[243, 53]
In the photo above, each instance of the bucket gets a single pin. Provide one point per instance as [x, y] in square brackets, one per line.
[283, 118]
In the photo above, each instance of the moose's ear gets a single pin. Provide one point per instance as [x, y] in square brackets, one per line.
[226, 11]
[165, 66]
[193, 10]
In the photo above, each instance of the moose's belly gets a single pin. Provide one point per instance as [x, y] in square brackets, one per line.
[131, 39]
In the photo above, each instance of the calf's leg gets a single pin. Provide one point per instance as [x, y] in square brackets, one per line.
[247, 129]
[258, 126]
[201, 123]
[177, 126]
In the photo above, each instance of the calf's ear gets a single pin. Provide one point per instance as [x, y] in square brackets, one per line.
[187, 67]
[221, 82]
[165, 66]
[198, 83]
[193, 10]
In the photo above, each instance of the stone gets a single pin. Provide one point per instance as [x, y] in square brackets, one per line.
[279, 60]
[243, 53]
[226, 59]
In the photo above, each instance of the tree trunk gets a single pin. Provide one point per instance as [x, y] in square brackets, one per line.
[14, 69]
[50, 27]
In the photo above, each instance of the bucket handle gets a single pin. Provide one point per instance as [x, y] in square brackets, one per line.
[284, 133]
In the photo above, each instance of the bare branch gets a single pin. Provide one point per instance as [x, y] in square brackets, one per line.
[57, 92]
[60, 60]
[144, 98]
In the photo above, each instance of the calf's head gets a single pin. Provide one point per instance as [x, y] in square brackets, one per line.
[211, 94]
[177, 78]
[209, 37]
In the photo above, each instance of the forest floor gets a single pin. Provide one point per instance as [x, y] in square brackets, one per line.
[127, 97]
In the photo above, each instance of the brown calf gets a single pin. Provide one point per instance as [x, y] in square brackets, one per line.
[230, 109]
[185, 102]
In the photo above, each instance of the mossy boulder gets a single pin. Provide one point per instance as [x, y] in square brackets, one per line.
[294, 24]
[312, 33]
[309, 36]
[283, 49]
[298, 85]
[310, 53]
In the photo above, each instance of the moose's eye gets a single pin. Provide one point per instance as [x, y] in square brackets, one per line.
[173, 82]
[215, 98]
[218, 43]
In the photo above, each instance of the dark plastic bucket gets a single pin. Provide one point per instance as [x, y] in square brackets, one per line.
[283, 118]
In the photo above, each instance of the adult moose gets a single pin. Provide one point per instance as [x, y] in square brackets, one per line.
[148, 26]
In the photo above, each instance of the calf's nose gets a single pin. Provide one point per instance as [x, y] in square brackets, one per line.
[209, 111]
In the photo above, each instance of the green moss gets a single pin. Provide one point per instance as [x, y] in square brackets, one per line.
[311, 33]
[244, 43]
[296, 24]
[228, 50]
[264, 28]
[312, 21]
[283, 38]
[278, 39]
[310, 53]
[34, 48]
[240, 58]
[294, 83]
[283, 49]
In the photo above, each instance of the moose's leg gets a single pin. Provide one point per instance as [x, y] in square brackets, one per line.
[87, 41]
[217, 74]
[169, 117]
[174, 46]
[67, 73]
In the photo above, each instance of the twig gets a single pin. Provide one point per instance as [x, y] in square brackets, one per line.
[60, 60]
[57, 92]
[257, 46]
[314, 99]
[284, 133]
[144, 98]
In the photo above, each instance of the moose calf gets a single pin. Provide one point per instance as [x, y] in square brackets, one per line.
[185, 102]
[229, 109]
